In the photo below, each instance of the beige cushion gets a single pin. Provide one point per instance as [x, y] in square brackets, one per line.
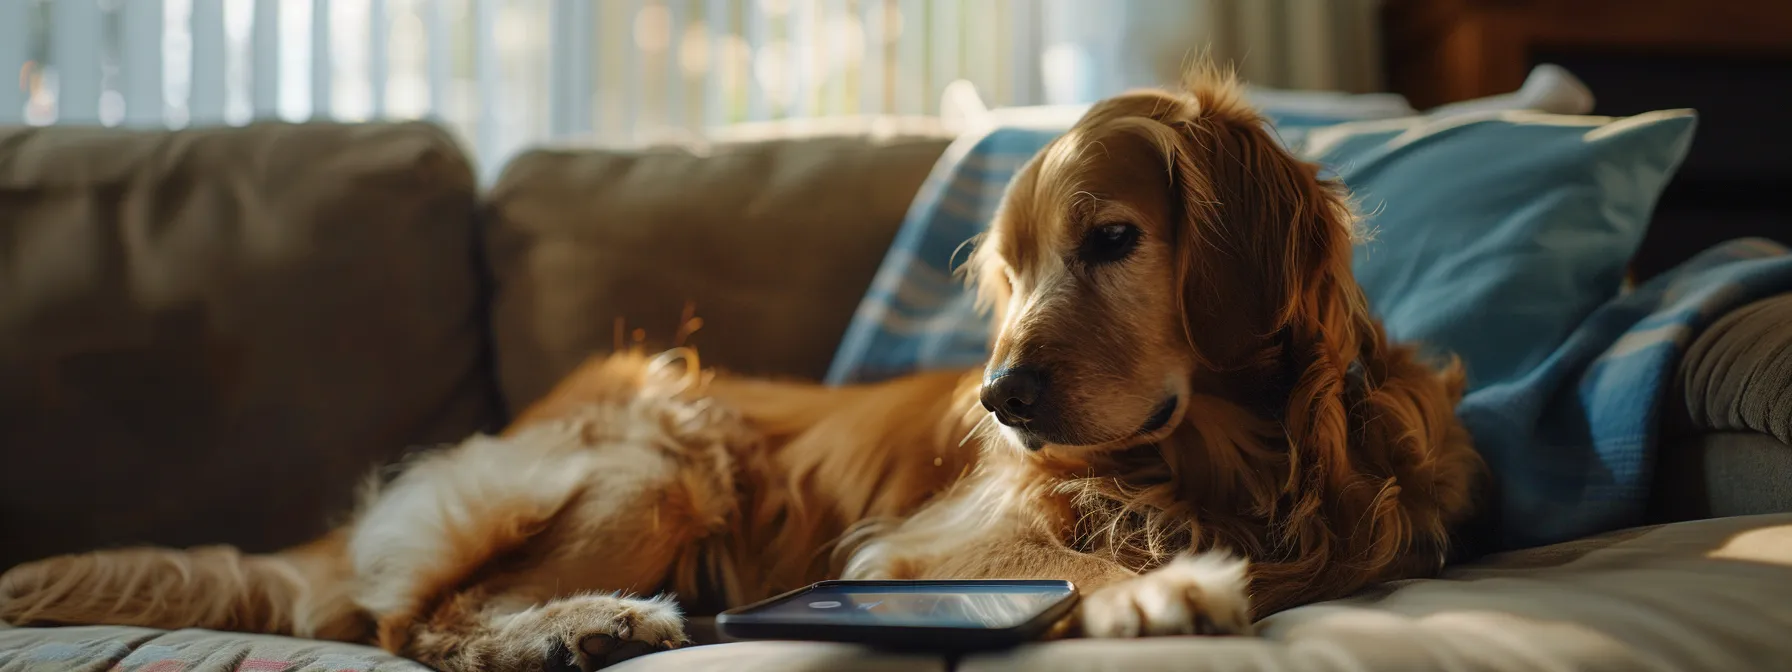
[213, 335]
[773, 242]
[783, 657]
[104, 648]
[1711, 595]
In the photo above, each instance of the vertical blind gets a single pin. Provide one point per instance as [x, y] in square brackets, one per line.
[505, 73]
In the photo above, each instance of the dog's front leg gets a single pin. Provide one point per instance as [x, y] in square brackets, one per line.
[1194, 594]
[1203, 593]
[972, 534]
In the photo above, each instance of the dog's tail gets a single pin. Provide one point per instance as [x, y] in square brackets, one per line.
[305, 591]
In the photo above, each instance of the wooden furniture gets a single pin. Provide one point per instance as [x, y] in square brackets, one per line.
[1441, 51]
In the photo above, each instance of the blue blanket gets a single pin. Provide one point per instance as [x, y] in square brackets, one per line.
[1571, 440]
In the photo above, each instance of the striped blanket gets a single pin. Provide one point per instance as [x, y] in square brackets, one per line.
[1571, 441]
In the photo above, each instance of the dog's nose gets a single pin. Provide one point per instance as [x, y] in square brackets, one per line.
[1013, 395]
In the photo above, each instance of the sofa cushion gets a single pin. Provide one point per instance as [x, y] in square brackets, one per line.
[1707, 595]
[773, 242]
[774, 656]
[127, 649]
[104, 648]
[212, 335]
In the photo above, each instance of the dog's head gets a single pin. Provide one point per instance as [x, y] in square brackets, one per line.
[1166, 246]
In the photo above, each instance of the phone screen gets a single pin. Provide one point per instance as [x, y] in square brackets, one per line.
[967, 605]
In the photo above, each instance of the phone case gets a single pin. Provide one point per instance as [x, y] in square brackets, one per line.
[740, 624]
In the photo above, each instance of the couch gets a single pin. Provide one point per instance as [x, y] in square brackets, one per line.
[211, 336]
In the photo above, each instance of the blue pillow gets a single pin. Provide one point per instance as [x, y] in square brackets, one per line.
[1494, 235]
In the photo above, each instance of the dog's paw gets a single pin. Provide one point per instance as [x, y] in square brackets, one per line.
[591, 632]
[1201, 594]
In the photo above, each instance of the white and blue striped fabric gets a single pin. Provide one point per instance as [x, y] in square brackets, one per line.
[917, 313]
[1567, 419]
[1573, 440]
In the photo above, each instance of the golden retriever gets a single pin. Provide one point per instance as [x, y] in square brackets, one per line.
[1188, 411]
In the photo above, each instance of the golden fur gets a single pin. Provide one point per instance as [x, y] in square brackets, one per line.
[1298, 438]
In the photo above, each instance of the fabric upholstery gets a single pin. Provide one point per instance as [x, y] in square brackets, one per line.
[773, 243]
[212, 335]
[1723, 474]
[125, 649]
[1738, 374]
[1746, 473]
[1706, 595]
[770, 656]
[1728, 444]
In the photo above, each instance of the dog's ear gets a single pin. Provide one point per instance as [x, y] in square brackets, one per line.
[1268, 291]
[1264, 253]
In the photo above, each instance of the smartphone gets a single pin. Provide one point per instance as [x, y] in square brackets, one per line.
[924, 615]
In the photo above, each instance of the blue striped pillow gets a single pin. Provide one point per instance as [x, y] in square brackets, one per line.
[1494, 233]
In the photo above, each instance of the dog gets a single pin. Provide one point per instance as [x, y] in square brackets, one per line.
[1188, 411]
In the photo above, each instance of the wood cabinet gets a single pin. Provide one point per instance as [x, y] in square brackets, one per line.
[1440, 51]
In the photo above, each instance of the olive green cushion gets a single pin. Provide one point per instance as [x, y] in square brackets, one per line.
[213, 335]
[773, 242]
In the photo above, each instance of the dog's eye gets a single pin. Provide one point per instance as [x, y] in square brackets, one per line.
[1108, 243]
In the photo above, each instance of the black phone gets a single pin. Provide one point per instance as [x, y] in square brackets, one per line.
[927, 615]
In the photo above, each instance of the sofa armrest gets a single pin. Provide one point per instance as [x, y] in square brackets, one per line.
[1727, 448]
[1737, 377]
